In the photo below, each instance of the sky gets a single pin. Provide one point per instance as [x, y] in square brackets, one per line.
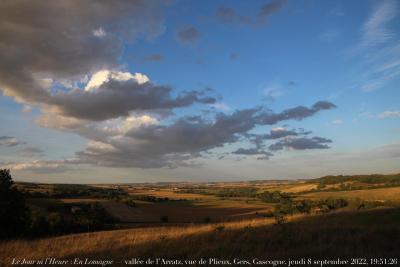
[157, 91]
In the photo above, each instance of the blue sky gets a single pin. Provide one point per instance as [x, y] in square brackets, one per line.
[212, 76]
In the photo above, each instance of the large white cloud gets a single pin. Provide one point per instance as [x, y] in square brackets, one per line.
[104, 76]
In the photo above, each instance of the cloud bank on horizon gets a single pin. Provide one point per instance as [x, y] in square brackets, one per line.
[67, 64]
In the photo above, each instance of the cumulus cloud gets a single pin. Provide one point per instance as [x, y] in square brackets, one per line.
[296, 113]
[112, 94]
[229, 15]
[280, 132]
[42, 42]
[261, 154]
[104, 76]
[145, 141]
[68, 68]
[301, 143]
[155, 144]
[10, 141]
[188, 34]
[118, 96]
[275, 133]
[288, 141]
[40, 166]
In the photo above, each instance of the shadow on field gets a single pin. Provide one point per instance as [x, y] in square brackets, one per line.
[178, 213]
[373, 233]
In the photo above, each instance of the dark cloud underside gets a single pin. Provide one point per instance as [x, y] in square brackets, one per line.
[171, 145]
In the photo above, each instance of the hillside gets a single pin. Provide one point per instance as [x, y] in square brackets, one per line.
[387, 179]
[372, 233]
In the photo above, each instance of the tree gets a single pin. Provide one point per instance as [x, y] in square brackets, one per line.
[14, 215]
[280, 218]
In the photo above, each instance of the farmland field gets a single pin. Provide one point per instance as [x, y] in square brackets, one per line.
[196, 220]
[380, 194]
[168, 193]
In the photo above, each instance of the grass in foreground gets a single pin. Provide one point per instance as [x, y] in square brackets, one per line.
[374, 233]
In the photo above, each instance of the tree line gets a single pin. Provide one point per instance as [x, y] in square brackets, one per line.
[18, 220]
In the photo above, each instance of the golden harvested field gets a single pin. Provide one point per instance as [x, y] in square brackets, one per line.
[297, 188]
[380, 194]
[198, 211]
[293, 187]
[135, 240]
[171, 194]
